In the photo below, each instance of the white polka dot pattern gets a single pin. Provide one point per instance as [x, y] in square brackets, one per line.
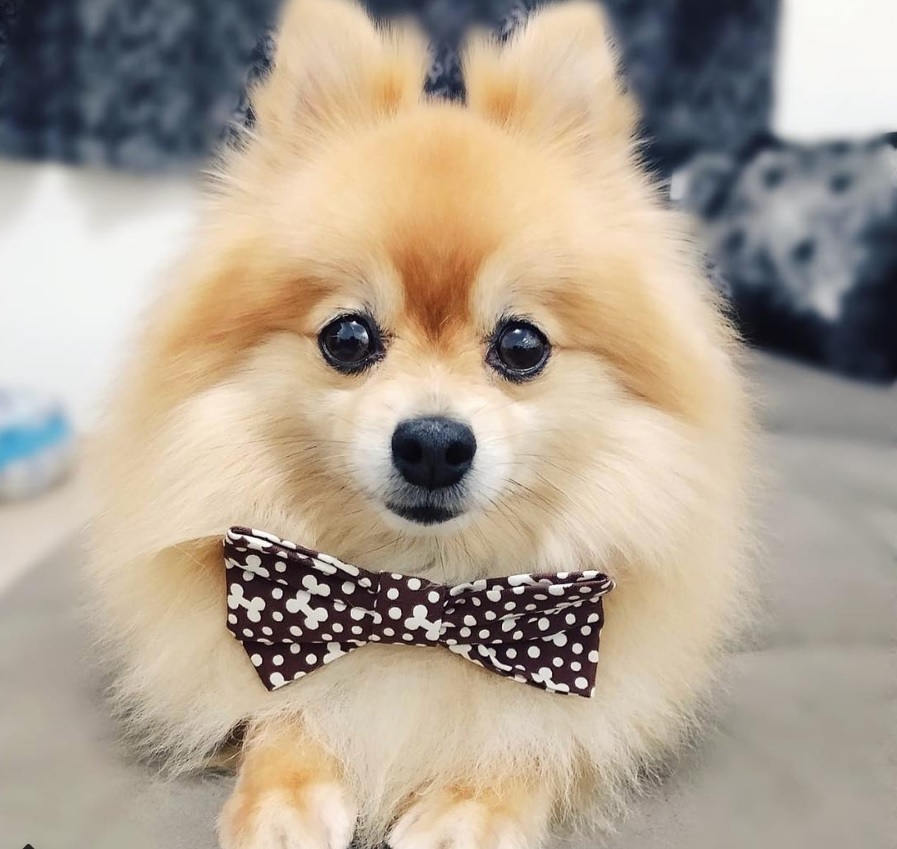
[541, 630]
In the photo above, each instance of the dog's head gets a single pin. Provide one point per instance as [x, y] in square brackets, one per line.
[467, 327]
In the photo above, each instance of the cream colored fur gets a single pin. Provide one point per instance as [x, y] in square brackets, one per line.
[629, 454]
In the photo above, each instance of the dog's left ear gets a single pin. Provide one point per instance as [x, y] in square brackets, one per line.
[335, 70]
[556, 80]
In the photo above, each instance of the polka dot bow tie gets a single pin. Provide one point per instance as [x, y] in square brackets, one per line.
[295, 610]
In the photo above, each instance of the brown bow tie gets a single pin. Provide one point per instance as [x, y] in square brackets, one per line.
[295, 610]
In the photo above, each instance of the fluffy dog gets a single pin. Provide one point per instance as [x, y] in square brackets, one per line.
[503, 272]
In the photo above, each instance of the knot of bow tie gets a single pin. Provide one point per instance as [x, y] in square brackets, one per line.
[295, 610]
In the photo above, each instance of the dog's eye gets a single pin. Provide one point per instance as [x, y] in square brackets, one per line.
[519, 350]
[351, 343]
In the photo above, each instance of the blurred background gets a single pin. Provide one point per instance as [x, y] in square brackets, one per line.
[773, 121]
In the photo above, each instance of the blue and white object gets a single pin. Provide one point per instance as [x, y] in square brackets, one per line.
[37, 444]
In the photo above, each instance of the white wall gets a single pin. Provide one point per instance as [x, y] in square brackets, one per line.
[79, 253]
[837, 68]
[79, 250]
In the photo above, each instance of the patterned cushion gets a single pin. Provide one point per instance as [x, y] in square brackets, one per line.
[9, 10]
[805, 240]
[151, 84]
[137, 84]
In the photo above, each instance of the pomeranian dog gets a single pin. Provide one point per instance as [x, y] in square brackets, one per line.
[452, 341]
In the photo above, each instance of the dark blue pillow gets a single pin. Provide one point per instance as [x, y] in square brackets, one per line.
[804, 237]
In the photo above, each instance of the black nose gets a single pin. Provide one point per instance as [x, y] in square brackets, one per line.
[433, 452]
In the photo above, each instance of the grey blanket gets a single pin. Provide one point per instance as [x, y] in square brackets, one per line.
[804, 752]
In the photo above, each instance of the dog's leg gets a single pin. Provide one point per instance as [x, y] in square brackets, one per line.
[290, 794]
[510, 815]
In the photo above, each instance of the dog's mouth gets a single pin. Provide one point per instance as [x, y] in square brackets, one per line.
[424, 514]
[424, 507]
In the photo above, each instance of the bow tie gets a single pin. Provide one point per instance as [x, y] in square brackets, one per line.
[295, 610]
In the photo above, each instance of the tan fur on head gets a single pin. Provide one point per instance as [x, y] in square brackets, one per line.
[627, 454]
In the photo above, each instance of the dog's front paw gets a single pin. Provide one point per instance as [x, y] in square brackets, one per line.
[450, 820]
[313, 815]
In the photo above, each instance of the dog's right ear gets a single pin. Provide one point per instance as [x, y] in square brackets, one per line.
[556, 80]
[334, 69]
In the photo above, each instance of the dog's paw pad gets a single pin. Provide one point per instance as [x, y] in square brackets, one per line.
[441, 822]
[312, 816]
